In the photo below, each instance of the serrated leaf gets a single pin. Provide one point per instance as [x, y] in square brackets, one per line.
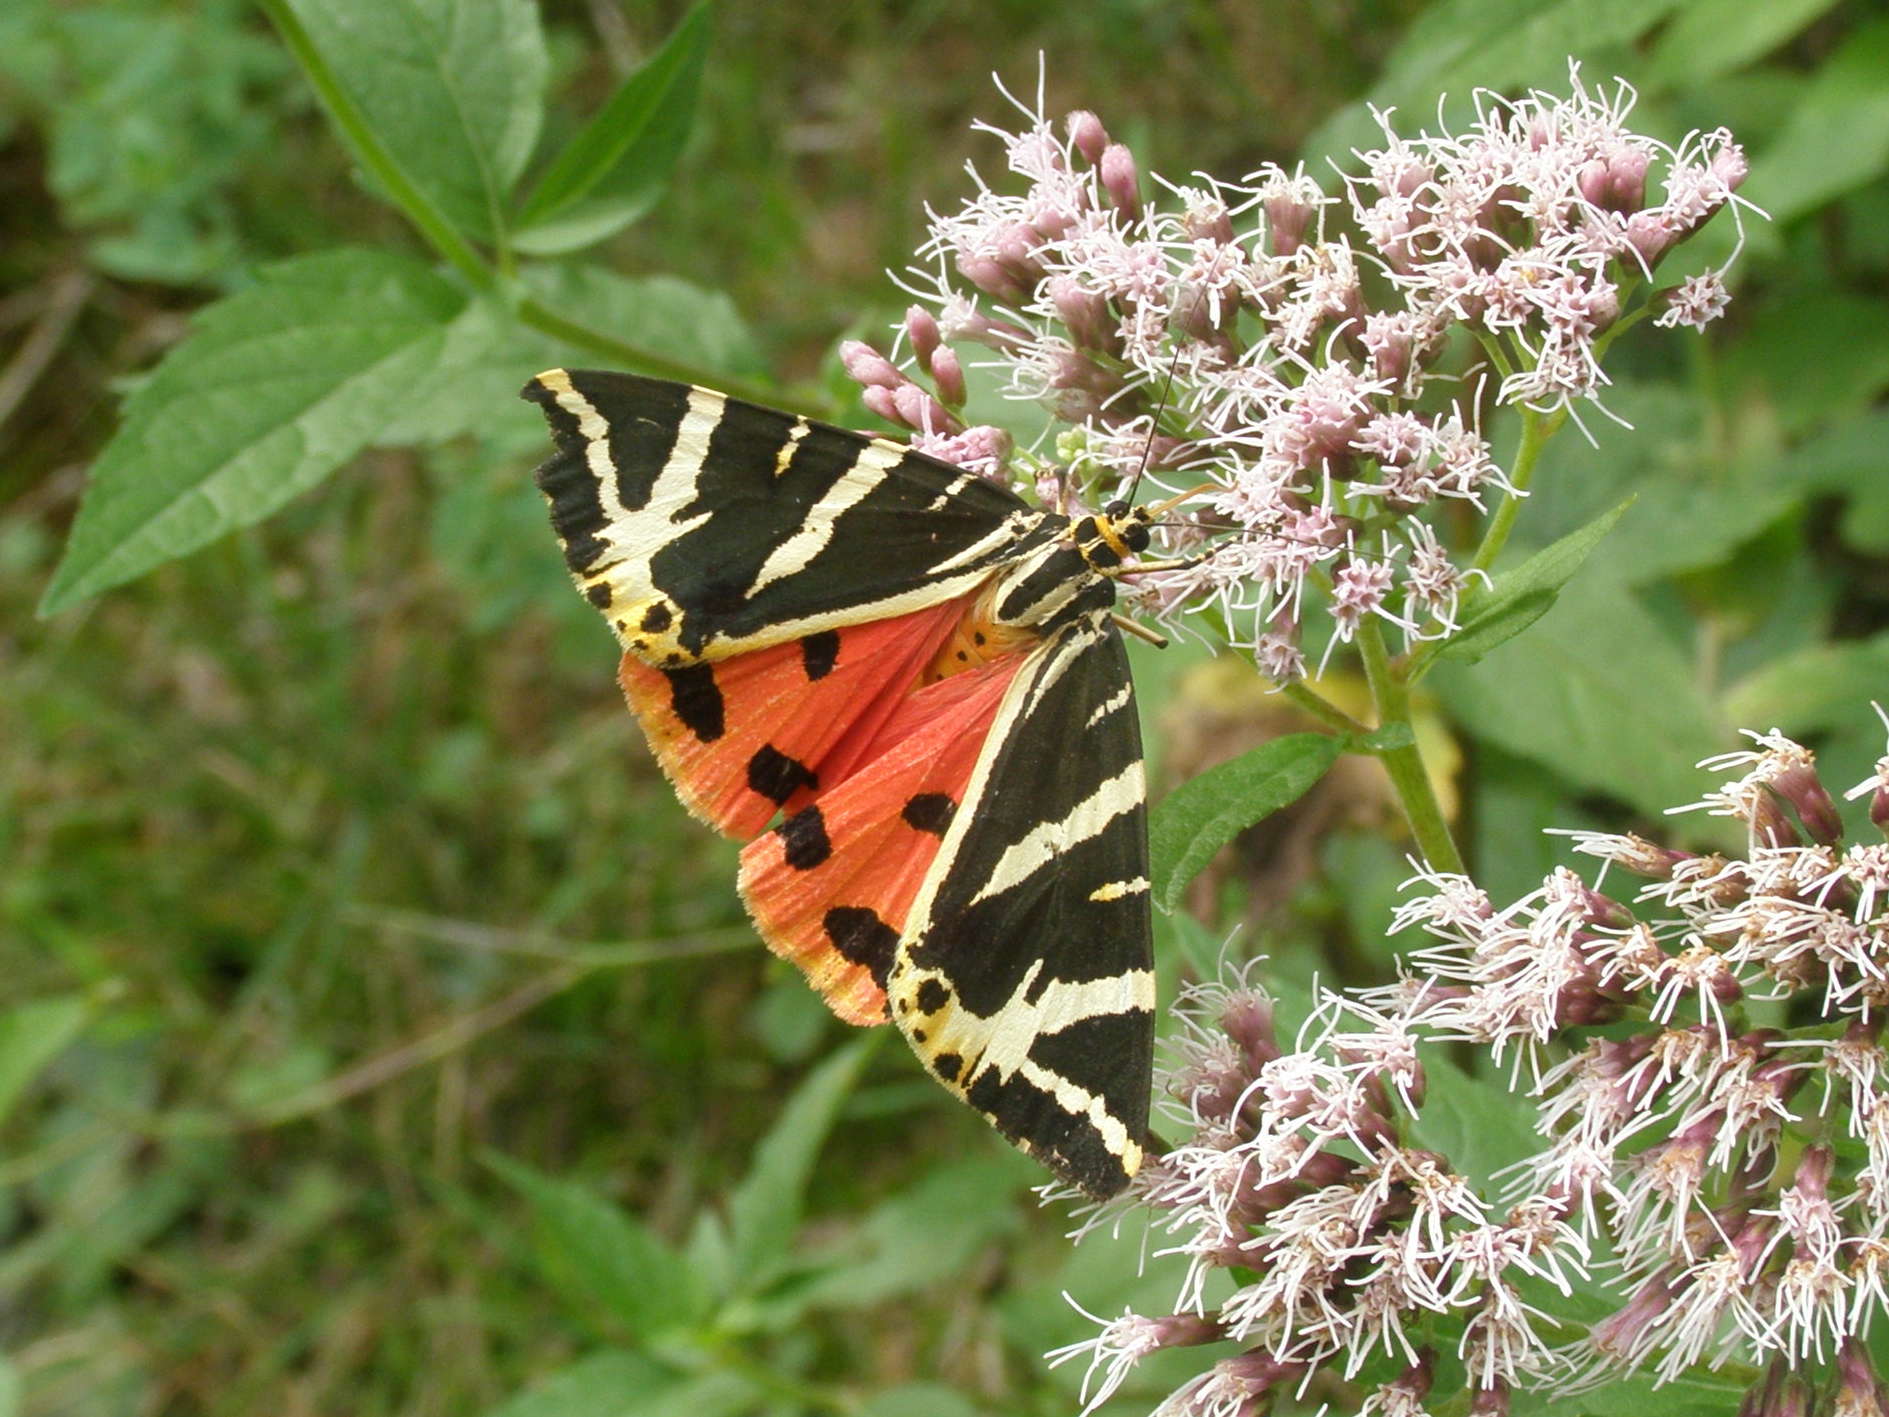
[1595, 693]
[1196, 819]
[1526, 593]
[1849, 96]
[597, 1254]
[32, 1034]
[1818, 689]
[453, 90]
[1459, 46]
[617, 166]
[765, 1209]
[273, 389]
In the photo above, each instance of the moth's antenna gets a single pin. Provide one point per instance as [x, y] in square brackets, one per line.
[1167, 384]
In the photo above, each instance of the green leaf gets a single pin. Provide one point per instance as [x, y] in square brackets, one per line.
[31, 1036]
[1709, 38]
[1476, 1122]
[595, 1253]
[1843, 458]
[1817, 356]
[1837, 139]
[918, 1400]
[1692, 1394]
[1818, 689]
[765, 1209]
[657, 312]
[1458, 46]
[617, 1383]
[1523, 595]
[452, 89]
[10, 1404]
[1597, 694]
[273, 389]
[1200, 816]
[613, 1382]
[615, 169]
[922, 1236]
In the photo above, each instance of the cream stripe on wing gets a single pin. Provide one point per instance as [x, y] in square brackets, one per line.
[675, 485]
[1021, 859]
[810, 538]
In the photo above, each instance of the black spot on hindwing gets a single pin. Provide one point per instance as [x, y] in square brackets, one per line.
[819, 653]
[803, 839]
[657, 618]
[929, 812]
[697, 700]
[598, 595]
[947, 1066]
[932, 996]
[776, 776]
[862, 937]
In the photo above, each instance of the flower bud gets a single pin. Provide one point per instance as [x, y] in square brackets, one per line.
[878, 398]
[918, 410]
[1859, 1391]
[1088, 134]
[921, 328]
[948, 375]
[865, 365]
[1804, 792]
[1119, 180]
[1085, 314]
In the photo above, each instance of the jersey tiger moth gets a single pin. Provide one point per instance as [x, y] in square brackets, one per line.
[919, 674]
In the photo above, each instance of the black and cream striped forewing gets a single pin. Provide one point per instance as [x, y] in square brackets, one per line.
[703, 526]
[1023, 977]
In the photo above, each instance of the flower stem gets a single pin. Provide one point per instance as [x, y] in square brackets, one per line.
[1323, 709]
[1391, 695]
[1537, 429]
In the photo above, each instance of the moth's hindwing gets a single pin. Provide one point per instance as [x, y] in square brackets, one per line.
[747, 737]
[1023, 977]
[831, 887]
[704, 527]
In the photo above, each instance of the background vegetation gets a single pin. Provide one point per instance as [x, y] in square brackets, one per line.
[376, 1035]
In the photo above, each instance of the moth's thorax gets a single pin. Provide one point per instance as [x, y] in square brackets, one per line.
[1070, 576]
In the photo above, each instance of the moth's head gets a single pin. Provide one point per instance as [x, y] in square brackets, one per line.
[1111, 536]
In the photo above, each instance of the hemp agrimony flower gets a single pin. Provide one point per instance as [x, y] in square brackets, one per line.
[1721, 1173]
[1321, 359]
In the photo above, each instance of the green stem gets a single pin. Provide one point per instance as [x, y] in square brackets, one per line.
[1323, 709]
[1405, 765]
[359, 134]
[1537, 429]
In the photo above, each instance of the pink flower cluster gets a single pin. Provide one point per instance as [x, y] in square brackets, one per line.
[1292, 350]
[1710, 1088]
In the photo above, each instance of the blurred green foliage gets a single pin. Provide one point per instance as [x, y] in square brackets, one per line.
[375, 1036]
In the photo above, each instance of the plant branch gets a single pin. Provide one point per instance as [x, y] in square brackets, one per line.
[1405, 764]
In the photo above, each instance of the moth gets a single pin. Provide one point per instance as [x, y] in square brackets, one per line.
[917, 679]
